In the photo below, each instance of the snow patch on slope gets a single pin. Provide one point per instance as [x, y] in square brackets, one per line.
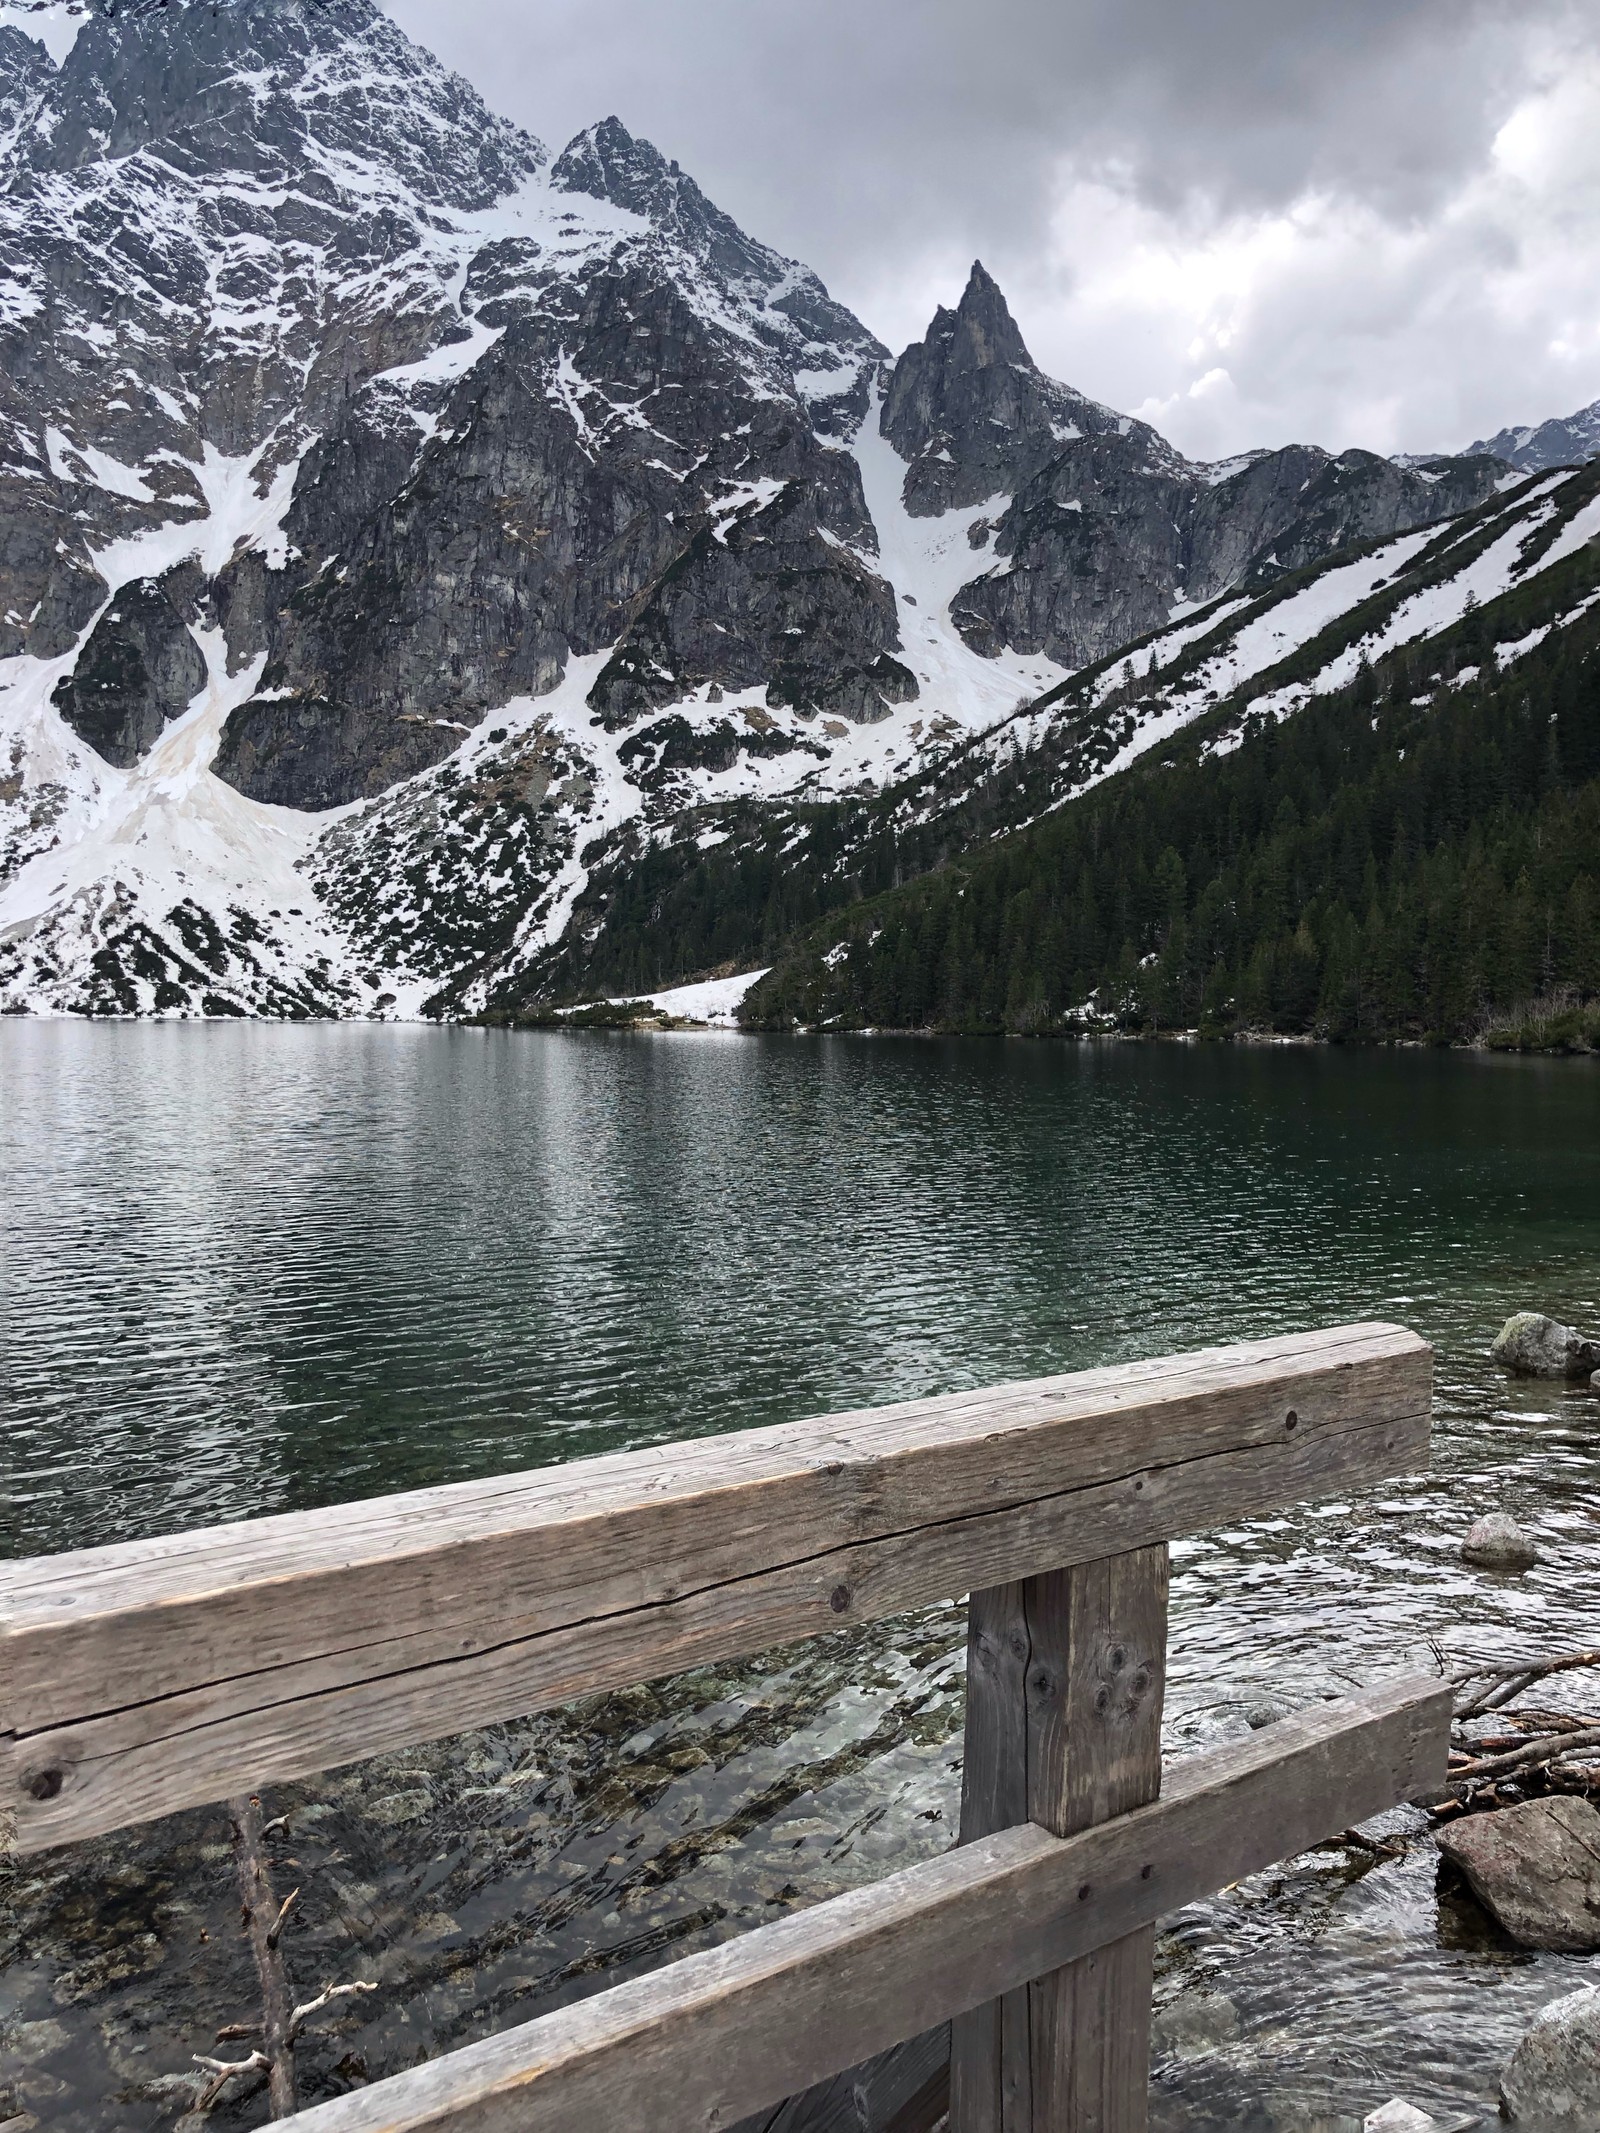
[53, 23]
[927, 561]
[136, 844]
[714, 1002]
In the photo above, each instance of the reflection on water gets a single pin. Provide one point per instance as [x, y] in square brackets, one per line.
[249, 1269]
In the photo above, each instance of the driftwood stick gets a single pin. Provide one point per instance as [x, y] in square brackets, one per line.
[1532, 1725]
[263, 1920]
[303, 2013]
[1542, 1750]
[275, 1930]
[223, 2071]
[1501, 1683]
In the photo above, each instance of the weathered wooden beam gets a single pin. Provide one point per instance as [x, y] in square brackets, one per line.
[1065, 1675]
[161, 1674]
[721, 2034]
[902, 2090]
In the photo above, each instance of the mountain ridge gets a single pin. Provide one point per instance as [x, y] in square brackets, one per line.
[410, 526]
[1563, 441]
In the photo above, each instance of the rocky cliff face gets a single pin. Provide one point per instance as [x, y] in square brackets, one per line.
[630, 463]
[398, 525]
[1099, 526]
[218, 220]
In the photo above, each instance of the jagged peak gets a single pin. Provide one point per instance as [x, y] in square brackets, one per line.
[608, 162]
[980, 331]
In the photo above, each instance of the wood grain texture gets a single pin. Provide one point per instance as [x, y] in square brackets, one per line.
[991, 2075]
[138, 1679]
[1065, 1677]
[722, 2034]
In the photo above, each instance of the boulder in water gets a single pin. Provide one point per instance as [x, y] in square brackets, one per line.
[1533, 1346]
[1536, 1868]
[1398, 2116]
[1499, 1543]
[1552, 2081]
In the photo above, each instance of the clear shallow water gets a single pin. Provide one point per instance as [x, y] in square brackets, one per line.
[248, 1269]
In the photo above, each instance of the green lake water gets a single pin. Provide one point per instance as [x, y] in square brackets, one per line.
[248, 1268]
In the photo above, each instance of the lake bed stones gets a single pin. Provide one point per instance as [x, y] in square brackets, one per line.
[1497, 1542]
[1194, 2024]
[1536, 1869]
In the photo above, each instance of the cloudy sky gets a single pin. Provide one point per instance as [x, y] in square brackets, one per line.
[1340, 221]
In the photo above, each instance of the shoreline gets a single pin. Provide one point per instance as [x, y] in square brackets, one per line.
[610, 1019]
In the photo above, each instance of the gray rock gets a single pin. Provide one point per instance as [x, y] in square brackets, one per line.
[724, 542]
[1497, 1542]
[1552, 2081]
[1536, 1868]
[1530, 1345]
[139, 668]
[1268, 1712]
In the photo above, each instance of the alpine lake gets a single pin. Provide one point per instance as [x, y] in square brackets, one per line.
[252, 1268]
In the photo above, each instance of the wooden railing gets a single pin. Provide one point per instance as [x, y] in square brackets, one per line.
[160, 1674]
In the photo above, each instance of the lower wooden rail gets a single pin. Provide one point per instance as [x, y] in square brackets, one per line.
[715, 2036]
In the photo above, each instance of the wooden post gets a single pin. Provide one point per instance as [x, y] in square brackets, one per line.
[1065, 1674]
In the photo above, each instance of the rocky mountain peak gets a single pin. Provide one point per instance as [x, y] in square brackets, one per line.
[976, 418]
[280, 87]
[980, 333]
[609, 163]
[783, 301]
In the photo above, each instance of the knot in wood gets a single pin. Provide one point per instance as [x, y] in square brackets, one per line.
[839, 1599]
[45, 1784]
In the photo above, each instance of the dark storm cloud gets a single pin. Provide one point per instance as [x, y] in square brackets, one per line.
[886, 142]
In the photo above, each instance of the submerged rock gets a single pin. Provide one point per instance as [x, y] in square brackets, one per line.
[1497, 1542]
[1533, 1346]
[1193, 2024]
[1552, 2081]
[1267, 1712]
[1398, 2116]
[1536, 1868]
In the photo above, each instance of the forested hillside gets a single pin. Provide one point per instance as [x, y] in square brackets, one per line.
[1407, 857]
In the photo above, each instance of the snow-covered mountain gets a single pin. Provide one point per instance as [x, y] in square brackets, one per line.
[404, 531]
[1563, 441]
